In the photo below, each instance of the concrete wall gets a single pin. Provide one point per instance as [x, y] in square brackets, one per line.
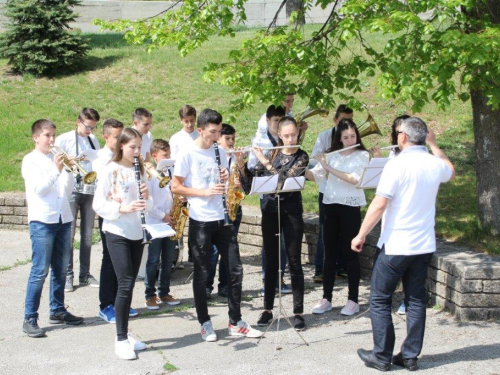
[259, 12]
[460, 280]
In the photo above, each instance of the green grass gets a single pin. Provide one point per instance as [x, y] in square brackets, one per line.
[165, 311]
[17, 263]
[116, 78]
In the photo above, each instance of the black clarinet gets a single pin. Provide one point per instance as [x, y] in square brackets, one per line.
[146, 237]
[227, 222]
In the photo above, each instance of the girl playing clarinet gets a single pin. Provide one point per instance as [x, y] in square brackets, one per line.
[288, 162]
[117, 201]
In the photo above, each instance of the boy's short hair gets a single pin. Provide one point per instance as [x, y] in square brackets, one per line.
[273, 110]
[41, 124]
[159, 145]
[89, 114]
[228, 129]
[186, 111]
[109, 124]
[139, 113]
[343, 108]
[209, 116]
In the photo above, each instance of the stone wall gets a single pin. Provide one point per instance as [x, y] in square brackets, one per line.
[259, 12]
[460, 280]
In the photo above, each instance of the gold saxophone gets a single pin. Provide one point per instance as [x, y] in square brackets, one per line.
[234, 195]
[180, 214]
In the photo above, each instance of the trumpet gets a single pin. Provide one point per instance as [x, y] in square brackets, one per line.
[369, 127]
[73, 165]
[152, 172]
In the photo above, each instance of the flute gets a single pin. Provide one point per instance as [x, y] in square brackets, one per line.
[227, 222]
[343, 149]
[146, 237]
[389, 147]
[250, 148]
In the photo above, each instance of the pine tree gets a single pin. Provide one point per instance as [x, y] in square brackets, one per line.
[38, 40]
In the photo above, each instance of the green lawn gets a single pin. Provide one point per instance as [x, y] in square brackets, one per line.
[116, 78]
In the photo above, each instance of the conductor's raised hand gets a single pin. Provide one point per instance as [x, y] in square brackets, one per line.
[431, 137]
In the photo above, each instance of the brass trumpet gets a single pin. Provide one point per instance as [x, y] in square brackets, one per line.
[369, 127]
[152, 172]
[73, 165]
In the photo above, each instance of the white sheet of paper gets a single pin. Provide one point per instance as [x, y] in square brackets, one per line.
[264, 185]
[161, 230]
[165, 163]
[294, 184]
[89, 154]
[372, 173]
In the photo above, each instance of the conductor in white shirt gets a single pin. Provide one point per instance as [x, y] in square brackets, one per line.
[406, 202]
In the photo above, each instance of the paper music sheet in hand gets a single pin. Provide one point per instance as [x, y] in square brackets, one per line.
[372, 173]
[294, 184]
[264, 185]
[161, 230]
[89, 155]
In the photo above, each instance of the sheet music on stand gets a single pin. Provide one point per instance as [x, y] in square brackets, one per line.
[371, 174]
[269, 184]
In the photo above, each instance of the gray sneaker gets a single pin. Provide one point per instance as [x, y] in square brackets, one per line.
[68, 287]
[31, 328]
[90, 280]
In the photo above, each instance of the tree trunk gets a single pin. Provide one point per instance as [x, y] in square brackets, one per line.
[293, 6]
[487, 139]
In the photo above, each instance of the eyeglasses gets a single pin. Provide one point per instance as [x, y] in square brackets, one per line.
[398, 133]
[89, 128]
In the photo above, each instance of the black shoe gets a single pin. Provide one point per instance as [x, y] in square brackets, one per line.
[223, 292]
[65, 317]
[31, 328]
[265, 319]
[409, 364]
[371, 361]
[298, 323]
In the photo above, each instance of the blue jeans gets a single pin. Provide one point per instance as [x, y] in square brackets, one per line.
[51, 247]
[159, 248]
[214, 258]
[387, 271]
[319, 258]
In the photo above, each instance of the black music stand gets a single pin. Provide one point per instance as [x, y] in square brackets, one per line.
[272, 185]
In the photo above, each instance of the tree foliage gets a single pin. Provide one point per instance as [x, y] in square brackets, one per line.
[428, 43]
[37, 39]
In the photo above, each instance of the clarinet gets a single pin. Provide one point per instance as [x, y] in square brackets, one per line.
[227, 222]
[146, 237]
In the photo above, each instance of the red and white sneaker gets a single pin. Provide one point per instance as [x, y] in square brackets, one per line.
[243, 329]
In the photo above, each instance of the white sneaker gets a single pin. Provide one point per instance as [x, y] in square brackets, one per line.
[207, 332]
[350, 308]
[135, 344]
[243, 329]
[124, 350]
[322, 306]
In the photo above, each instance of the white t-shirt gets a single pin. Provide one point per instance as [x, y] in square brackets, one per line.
[180, 140]
[147, 140]
[162, 202]
[199, 169]
[411, 182]
[67, 141]
[338, 191]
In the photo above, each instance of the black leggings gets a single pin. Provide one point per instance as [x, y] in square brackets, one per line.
[341, 225]
[126, 256]
[293, 229]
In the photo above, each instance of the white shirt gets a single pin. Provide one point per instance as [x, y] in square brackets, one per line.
[411, 182]
[337, 190]
[147, 140]
[323, 143]
[67, 141]
[117, 186]
[180, 140]
[262, 125]
[104, 156]
[162, 202]
[47, 190]
[260, 141]
[199, 169]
